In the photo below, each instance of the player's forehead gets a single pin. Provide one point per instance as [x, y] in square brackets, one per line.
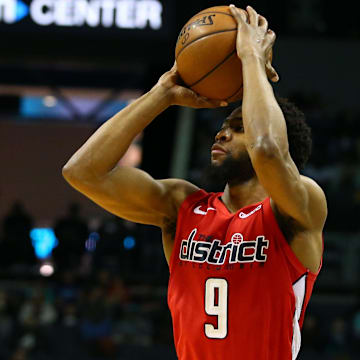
[234, 115]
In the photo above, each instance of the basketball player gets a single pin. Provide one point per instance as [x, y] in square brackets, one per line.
[242, 262]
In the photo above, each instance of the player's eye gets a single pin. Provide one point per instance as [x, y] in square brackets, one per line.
[238, 128]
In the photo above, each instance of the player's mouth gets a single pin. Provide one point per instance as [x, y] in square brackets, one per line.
[218, 149]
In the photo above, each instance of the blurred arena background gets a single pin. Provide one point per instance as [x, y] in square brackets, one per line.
[79, 283]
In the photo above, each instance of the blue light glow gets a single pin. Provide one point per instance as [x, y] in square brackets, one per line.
[129, 242]
[91, 242]
[43, 241]
[35, 107]
[22, 10]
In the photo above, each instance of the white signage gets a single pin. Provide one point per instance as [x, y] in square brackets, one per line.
[124, 14]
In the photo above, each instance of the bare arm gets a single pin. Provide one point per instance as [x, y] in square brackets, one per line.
[129, 192]
[264, 125]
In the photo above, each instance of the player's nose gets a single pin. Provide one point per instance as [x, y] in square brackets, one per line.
[223, 135]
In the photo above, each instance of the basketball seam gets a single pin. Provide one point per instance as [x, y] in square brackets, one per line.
[229, 97]
[213, 12]
[213, 69]
[205, 35]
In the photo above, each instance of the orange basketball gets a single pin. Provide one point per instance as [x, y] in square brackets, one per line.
[206, 55]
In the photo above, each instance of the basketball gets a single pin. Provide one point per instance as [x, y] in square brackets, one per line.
[206, 55]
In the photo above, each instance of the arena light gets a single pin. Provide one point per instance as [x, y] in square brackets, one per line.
[49, 107]
[46, 269]
[49, 101]
[129, 242]
[43, 241]
[90, 244]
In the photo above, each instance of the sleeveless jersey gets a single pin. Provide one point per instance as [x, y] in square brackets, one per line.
[236, 289]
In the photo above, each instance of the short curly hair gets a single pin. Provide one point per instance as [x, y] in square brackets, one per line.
[298, 131]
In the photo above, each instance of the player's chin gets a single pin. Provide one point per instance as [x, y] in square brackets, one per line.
[217, 159]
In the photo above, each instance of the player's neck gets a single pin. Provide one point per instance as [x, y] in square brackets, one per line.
[236, 197]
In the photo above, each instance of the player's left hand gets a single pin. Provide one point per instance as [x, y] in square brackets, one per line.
[179, 94]
[254, 38]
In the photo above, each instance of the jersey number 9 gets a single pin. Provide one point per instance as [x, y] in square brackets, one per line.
[216, 304]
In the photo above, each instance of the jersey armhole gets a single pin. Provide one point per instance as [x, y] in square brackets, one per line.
[288, 250]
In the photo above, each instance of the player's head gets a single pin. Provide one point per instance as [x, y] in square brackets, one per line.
[234, 166]
[298, 132]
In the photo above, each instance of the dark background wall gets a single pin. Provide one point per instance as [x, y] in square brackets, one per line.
[32, 156]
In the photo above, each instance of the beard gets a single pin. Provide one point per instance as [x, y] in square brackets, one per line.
[232, 171]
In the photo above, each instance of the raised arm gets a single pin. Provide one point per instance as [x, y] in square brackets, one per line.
[264, 125]
[129, 192]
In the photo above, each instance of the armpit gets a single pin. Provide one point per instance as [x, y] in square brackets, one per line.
[169, 226]
[288, 226]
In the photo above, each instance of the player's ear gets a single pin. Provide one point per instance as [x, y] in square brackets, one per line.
[272, 73]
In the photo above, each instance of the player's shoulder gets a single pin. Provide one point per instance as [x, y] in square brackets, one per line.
[313, 187]
[178, 190]
[317, 204]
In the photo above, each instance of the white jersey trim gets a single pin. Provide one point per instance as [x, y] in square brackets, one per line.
[299, 289]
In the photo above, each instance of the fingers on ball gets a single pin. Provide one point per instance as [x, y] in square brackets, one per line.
[253, 15]
[263, 22]
[271, 37]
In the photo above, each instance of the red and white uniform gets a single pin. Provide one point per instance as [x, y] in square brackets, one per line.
[236, 289]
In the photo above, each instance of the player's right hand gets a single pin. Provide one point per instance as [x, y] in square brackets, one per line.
[179, 94]
[254, 38]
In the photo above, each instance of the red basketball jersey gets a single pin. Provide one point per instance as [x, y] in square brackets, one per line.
[236, 289]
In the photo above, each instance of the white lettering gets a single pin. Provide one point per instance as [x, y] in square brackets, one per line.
[42, 12]
[63, 13]
[108, 11]
[80, 12]
[8, 11]
[125, 14]
[148, 11]
[93, 13]
[236, 251]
